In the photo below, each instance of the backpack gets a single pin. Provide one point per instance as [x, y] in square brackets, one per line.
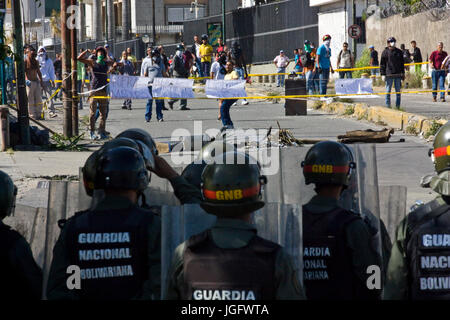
[306, 60]
[179, 66]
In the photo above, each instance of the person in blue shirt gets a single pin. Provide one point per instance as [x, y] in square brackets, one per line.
[323, 63]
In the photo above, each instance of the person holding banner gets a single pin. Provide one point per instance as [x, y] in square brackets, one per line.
[154, 68]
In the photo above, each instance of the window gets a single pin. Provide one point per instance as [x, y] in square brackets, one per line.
[362, 24]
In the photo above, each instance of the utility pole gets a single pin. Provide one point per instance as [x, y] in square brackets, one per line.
[66, 68]
[224, 24]
[354, 22]
[74, 95]
[153, 24]
[21, 98]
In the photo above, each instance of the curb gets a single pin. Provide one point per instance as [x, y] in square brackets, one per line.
[408, 122]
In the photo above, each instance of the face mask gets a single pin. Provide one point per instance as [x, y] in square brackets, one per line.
[327, 42]
[307, 48]
[392, 44]
[100, 59]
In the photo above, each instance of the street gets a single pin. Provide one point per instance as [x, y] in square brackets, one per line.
[399, 163]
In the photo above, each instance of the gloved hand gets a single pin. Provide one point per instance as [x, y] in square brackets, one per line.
[383, 78]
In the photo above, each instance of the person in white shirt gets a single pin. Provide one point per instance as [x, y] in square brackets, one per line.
[281, 62]
[48, 78]
[218, 71]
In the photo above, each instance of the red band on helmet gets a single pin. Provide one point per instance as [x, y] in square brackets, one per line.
[442, 151]
[229, 195]
[325, 168]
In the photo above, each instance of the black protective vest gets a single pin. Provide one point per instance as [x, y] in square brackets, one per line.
[327, 268]
[10, 281]
[213, 273]
[110, 247]
[428, 252]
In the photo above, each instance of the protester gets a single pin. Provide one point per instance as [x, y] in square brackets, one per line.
[281, 62]
[132, 58]
[10, 77]
[109, 52]
[374, 61]
[406, 53]
[99, 69]
[392, 69]
[206, 52]
[345, 60]
[446, 68]
[437, 73]
[237, 56]
[324, 63]
[218, 71]
[416, 55]
[81, 75]
[154, 69]
[34, 84]
[179, 70]
[308, 62]
[126, 69]
[166, 63]
[227, 103]
[195, 50]
[48, 79]
[220, 46]
[146, 61]
[298, 68]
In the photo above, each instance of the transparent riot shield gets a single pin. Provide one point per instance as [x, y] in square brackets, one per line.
[179, 223]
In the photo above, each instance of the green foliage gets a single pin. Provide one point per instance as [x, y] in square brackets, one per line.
[435, 126]
[67, 144]
[414, 79]
[349, 110]
[363, 61]
[411, 130]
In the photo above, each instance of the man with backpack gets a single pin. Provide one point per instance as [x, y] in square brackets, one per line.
[237, 56]
[307, 60]
[179, 70]
[345, 60]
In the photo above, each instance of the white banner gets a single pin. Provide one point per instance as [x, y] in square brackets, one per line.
[352, 86]
[225, 88]
[129, 87]
[173, 88]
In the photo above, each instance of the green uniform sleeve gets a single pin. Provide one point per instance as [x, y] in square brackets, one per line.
[152, 286]
[56, 285]
[176, 277]
[363, 255]
[26, 268]
[396, 287]
[288, 286]
[184, 191]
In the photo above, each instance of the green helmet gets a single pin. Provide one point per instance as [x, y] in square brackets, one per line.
[232, 189]
[328, 162]
[441, 149]
[8, 192]
[213, 149]
[121, 168]
[193, 173]
[140, 135]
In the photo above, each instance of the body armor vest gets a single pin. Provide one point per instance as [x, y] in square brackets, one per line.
[110, 247]
[428, 252]
[327, 268]
[213, 273]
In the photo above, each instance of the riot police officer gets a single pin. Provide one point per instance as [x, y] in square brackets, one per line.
[117, 244]
[337, 246]
[230, 261]
[419, 267]
[20, 276]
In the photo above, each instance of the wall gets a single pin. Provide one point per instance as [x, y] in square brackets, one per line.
[263, 30]
[418, 27]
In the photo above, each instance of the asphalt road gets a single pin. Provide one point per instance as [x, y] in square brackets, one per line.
[398, 163]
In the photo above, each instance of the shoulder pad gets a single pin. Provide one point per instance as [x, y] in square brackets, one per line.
[63, 222]
[420, 212]
[264, 246]
[197, 239]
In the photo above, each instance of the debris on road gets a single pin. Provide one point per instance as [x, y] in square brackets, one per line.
[367, 136]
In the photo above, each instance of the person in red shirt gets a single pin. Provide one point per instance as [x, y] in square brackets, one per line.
[220, 48]
[437, 74]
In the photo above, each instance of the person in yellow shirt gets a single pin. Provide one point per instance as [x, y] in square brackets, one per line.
[227, 103]
[206, 52]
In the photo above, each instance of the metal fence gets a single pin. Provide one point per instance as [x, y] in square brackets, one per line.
[263, 30]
